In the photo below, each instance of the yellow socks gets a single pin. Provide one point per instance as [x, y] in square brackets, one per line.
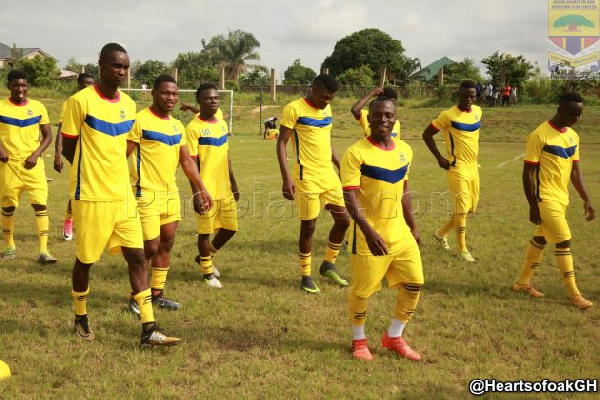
[42, 222]
[460, 224]
[144, 300]
[206, 265]
[8, 227]
[305, 263]
[80, 300]
[533, 256]
[332, 252]
[564, 259]
[358, 309]
[443, 231]
[213, 250]
[159, 277]
[406, 301]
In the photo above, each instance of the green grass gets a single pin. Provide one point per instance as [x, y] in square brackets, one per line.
[260, 337]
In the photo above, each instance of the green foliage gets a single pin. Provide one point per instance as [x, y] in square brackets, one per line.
[233, 52]
[147, 71]
[73, 66]
[193, 69]
[407, 72]
[505, 68]
[255, 78]
[460, 71]
[297, 74]
[360, 76]
[369, 47]
[42, 71]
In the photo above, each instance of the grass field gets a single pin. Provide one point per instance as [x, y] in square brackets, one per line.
[261, 337]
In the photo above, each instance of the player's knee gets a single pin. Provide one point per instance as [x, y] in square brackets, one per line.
[8, 211]
[166, 245]
[38, 207]
[151, 248]
[540, 240]
[564, 244]
[307, 228]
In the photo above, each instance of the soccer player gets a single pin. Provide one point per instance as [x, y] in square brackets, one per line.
[95, 125]
[22, 167]
[461, 125]
[83, 80]
[384, 237]
[362, 115]
[159, 144]
[551, 160]
[207, 141]
[315, 183]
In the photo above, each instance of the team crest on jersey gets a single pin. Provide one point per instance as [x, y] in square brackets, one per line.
[29, 112]
[476, 117]
[402, 158]
[175, 128]
[123, 114]
[571, 140]
[223, 130]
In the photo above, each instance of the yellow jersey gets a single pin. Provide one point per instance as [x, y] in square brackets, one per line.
[100, 170]
[20, 127]
[379, 175]
[311, 142]
[207, 140]
[461, 134]
[364, 122]
[153, 163]
[218, 114]
[553, 150]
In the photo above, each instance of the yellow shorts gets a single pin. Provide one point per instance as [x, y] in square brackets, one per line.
[157, 211]
[15, 179]
[223, 215]
[464, 188]
[554, 226]
[403, 266]
[311, 198]
[100, 224]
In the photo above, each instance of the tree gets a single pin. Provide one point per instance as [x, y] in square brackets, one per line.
[194, 69]
[505, 68]
[462, 70]
[408, 71]
[369, 47]
[233, 52]
[361, 76]
[297, 74]
[147, 71]
[572, 21]
[256, 78]
[41, 71]
[73, 65]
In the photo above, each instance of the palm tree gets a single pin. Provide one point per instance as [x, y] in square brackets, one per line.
[409, 71]
[233, 52]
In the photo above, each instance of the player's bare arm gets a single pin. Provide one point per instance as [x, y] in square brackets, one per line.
[234, 186]
[190, 169]
[374, 240]
[335, 159]
[579, 185]
[428, 134]
[31, 161]
[408, 214]
[529, 189]
[288, 188]
[358, 106]
[189, 107]
[3, 154]
[58, 163]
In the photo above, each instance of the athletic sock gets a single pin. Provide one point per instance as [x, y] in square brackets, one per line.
[564, 259]
[8, 227]
[80, 301]
[358, 315]
[460, 224]
[144, 300]
[533, 256]
[206, 265]
[43, 223]
[305, 263]
[406, 301]
[396, 328]
[159, 277]
[443, 231]
[332, 252]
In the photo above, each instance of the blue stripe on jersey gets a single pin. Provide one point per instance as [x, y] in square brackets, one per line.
[109, 128]
[21, 123]
[138, 191]
[562, 152]
[382, 174]
[319, 123]
[211, 141]
[466, 127]
[161, 137]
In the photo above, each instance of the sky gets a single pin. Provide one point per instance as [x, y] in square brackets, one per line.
[286, 29]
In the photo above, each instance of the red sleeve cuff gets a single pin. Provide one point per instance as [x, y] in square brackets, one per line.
[434, 127]
[575, 160]
[350, 187]
[531, 162]
[194, 156]
[69, 136]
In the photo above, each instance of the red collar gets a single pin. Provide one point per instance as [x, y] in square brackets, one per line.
[106, 98]
[561, 130]
[374, 143]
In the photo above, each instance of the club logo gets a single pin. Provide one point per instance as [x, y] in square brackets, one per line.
[123, 114]
[29, 112]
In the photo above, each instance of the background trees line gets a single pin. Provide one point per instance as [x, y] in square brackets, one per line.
[356, 61]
